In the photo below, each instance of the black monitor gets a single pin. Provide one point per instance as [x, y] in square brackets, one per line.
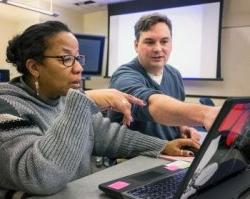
[92, 47]
[4, 75]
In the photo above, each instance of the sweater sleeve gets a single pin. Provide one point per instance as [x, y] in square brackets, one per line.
[114, 140]
[42, 163]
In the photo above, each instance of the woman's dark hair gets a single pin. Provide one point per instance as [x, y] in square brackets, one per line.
[32, 43]
[147, 21]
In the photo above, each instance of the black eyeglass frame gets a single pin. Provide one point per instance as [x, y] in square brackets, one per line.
[79, 58]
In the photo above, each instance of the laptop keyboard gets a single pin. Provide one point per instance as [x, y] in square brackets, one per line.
[162, 189]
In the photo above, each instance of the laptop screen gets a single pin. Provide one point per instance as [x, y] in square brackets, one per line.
[225, 150]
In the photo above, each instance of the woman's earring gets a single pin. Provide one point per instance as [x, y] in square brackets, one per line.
[37, 87]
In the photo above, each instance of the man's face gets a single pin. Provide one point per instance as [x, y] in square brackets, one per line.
[154, 47]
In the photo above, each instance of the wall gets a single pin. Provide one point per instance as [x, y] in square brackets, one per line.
[96, 23]
[14, 20]
[235, 58]
[70, 17]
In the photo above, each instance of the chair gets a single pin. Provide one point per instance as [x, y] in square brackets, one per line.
[206, 101]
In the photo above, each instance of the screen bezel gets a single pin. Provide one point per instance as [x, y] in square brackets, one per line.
[213, 133]
[151, 5]
[99, 56]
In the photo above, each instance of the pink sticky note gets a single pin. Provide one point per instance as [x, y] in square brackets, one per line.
[118, 185]
[172, 167]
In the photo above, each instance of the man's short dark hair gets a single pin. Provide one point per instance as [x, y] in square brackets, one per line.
[147, 21]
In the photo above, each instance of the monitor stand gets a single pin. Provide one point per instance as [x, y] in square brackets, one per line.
[84, 78]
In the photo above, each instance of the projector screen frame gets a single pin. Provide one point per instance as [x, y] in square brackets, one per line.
[151, 5]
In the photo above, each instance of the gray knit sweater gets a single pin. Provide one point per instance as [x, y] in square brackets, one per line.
[44, 144]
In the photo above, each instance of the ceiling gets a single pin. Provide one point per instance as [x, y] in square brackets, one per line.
[78, 5]
[101, 4]
[84, 6]
[44, 6]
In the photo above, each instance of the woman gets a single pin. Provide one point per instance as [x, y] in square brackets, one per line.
[49, 128]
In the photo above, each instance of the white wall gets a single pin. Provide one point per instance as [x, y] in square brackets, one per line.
[96, 23]
[235, 57]
[15, 20]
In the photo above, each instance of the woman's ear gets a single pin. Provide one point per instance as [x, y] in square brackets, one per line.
[33, 67]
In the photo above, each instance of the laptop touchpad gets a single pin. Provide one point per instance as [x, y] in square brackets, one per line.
[147, 176]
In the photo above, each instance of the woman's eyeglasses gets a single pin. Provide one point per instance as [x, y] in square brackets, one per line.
[69, 60]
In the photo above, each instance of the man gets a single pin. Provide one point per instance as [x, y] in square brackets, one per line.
[160, 85]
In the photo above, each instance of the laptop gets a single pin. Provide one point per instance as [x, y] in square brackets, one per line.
[224, 153]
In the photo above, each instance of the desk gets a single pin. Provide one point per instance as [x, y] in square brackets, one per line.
[87, 187]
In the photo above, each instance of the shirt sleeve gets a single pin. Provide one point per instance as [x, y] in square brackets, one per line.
[134, 83]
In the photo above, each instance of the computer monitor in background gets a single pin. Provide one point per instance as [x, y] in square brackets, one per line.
[92, 47]
[4, 75]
